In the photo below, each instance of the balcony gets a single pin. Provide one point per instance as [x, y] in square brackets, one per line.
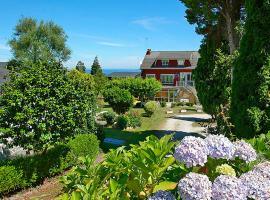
[185, 83]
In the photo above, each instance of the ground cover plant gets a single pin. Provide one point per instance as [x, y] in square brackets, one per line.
[196, 168]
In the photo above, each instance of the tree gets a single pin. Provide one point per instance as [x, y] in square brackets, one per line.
[35, 42]
[96, 69]
[250, 111]
[208, 13]
[119, 99]
[43, 105]
[80, 66]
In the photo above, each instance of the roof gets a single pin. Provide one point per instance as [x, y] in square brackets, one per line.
[149, 60]
[3, 72]
[123, 74]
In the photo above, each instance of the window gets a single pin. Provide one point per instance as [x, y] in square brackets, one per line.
[165, 62]
[167, 78]
[150, 76]
[180, 62]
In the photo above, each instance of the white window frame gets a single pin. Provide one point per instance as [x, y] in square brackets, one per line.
[165, 62]
[150, 75]
[180, 62]
[169, 83]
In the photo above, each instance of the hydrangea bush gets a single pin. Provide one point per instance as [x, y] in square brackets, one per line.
[213, 168]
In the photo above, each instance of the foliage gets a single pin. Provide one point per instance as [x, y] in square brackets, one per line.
[96, 68]
[163, 104]
[124, 174]
[29, 171]
[143, 89]
[80, 66]
[250, 111]
[134, 119]
[122, 122]
[149, 167]
[43, 105]
[35, 42]
[10, 179]
[119, 99]
[262, 144]
[109, 116]
[150, 108]
[84, 145]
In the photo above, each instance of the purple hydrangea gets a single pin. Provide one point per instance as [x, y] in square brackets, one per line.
[228, 187]
[192, 151]
[245, 151]
[257, 186]
[162, 195]
[220, 147]
[263, 169]
[195, 186]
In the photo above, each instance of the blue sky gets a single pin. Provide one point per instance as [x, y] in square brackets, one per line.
[117, 31]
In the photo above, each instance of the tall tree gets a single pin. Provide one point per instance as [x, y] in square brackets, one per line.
[250, 111]
[34, 41]
[208, 13]
[96, 68]
[80, 66]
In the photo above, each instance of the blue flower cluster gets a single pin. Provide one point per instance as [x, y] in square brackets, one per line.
[257, 182]
[195, 186]
[162, 195]
[193, 151]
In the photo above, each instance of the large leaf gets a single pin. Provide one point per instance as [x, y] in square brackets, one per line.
[165, 185]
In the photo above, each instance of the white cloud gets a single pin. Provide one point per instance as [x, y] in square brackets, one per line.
[111, 44]
[151, 23]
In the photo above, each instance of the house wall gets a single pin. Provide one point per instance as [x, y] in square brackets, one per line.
[157, 72]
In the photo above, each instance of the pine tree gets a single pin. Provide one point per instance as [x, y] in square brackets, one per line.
[80, 66]
[96, 68]
[250, 111]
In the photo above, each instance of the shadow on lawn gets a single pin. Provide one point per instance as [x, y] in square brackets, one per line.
[131, 137]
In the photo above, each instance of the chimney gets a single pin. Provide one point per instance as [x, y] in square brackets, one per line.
[148, 52]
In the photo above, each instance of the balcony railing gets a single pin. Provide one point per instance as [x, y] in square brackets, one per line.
[185, 83]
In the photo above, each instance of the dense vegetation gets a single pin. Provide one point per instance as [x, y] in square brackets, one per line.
[250, 93]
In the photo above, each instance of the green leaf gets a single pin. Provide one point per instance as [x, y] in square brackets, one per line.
[165, 185]
[75, 196]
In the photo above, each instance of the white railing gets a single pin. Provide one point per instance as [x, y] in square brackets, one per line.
[185, 83]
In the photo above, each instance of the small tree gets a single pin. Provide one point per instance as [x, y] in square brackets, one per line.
[80, 66]
[43, 105]
[33, 42]
[96, 68]
[119, 99]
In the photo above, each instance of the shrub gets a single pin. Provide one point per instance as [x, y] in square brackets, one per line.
[134, 119]
[84, 145]
[10, 179]
[119, 99]
[181, 104]
[150, 108]
[163, 104]
[32, 170]
[173, 105]
[109, 117]
[122, 122]
[189, 104]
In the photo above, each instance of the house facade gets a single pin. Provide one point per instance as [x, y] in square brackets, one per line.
[174, 70]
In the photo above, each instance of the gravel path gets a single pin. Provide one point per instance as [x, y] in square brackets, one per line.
[182, 125]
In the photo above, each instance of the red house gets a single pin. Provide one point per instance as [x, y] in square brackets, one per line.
[172, 68]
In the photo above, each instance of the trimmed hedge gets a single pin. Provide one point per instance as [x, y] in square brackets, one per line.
[23, 172]
[150, 108]
[83, 145]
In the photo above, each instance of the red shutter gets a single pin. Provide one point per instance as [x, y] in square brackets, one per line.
[173, 63]
[187, 63]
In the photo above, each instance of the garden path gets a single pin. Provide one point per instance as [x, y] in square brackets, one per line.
[183, 125]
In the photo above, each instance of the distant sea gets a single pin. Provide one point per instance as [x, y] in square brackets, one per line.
[108, 71]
